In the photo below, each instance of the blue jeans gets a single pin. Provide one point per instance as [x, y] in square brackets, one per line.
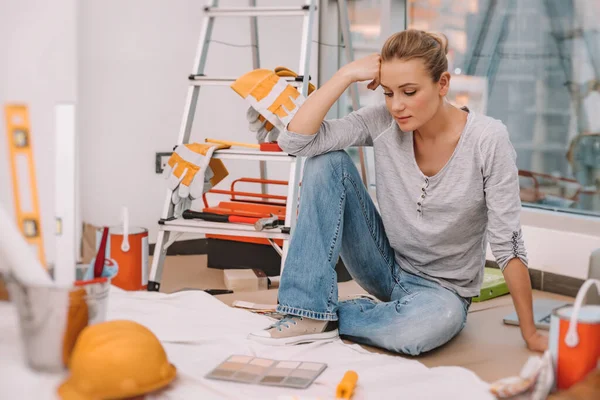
[338, 218]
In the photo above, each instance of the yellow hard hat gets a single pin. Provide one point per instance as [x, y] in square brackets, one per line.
[116, 360]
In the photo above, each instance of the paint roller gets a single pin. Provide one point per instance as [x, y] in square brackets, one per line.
[17, 256]
[345, 389]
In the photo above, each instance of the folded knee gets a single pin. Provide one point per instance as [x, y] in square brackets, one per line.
[424, 335]
[404, 345]
[334, 161]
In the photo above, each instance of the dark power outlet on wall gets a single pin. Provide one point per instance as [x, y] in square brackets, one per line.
[160, 161]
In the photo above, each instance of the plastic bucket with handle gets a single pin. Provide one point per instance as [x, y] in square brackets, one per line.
[575, 338]
[128, 247]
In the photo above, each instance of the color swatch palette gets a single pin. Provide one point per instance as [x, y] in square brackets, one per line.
[263, 371]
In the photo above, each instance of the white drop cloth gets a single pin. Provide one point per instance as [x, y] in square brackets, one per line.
[198, 332]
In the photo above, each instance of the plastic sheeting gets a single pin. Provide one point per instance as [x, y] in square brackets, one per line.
[198, 332]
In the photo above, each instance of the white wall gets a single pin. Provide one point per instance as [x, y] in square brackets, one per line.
[38, 68]
[134, 59]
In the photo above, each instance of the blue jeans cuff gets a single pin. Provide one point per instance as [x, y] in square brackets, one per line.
[323, 316]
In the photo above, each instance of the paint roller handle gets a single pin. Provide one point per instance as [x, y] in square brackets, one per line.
[345, 388]
[101, 255]
[572, 338]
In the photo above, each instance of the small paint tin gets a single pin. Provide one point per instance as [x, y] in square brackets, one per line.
[575, 339]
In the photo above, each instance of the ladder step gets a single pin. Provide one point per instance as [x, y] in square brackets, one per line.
[220, 228]
[199, 80]
[256, 155]
[255, 11]
[203, 80]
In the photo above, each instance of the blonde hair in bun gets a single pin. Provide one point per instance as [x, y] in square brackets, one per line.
[431, 47]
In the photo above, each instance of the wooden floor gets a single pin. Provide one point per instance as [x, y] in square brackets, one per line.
[486, 346]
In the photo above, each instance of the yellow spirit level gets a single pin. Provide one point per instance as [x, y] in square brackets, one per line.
[24, 182]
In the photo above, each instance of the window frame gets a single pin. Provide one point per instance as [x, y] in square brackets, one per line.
[548, 232]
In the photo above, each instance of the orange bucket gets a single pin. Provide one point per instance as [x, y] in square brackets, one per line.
[575, 339]
[128, 247]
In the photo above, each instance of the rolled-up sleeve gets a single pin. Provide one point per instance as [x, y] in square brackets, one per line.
[354, 129]
[501, 187]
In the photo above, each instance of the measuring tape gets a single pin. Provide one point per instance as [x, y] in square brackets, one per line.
[24, 182]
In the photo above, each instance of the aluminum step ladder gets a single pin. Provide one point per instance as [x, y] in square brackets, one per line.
[170, 227]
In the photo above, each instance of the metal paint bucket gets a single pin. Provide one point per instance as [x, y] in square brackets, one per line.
[52, 317]
[128, 247]
[575, 339]
[96, 296]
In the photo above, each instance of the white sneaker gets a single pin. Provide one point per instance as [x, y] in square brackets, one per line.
[295, 330]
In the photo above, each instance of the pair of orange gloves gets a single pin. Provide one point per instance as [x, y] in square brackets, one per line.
[191, 171]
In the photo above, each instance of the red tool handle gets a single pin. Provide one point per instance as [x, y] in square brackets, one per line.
[270, 146]
[100, 257]
[243, 220]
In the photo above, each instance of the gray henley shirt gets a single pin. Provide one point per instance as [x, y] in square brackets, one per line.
[437, 225]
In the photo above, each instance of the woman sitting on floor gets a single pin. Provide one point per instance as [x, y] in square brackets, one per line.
[446, 178]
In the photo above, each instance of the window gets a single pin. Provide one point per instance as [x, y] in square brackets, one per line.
[535, 65]
[371, 22]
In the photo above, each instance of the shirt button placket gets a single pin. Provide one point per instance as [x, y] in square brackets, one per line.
[422, 198]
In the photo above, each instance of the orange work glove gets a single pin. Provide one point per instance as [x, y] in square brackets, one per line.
[191, 171]
[273, 101]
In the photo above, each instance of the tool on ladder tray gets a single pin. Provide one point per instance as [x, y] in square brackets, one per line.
[24, 183]
[267, 223]
[250, 204]
[171, 224]
[270, 222]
